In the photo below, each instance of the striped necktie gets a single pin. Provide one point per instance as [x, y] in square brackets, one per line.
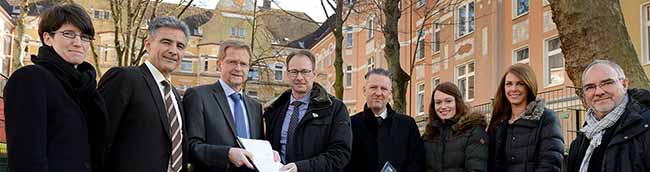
[174, 129]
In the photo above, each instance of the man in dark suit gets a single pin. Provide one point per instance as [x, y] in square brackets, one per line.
[219, 113]
[381, 135]
[145, 119]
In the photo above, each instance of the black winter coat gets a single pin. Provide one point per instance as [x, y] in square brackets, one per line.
[533, 143]
[629, 147]
[54, 116]
[323, 137]
[459, 145]
[397, 140]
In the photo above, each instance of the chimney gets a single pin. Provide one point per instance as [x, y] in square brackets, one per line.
[267, 4]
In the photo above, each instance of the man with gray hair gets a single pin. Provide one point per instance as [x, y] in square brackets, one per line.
[145, 119]
[616, 132]
[375, 129]
[220, 113]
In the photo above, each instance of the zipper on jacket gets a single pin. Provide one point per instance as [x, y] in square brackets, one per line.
[443, 139]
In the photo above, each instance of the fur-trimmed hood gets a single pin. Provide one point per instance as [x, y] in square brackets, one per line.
[469, 121]
[534, 110]
[457, 125]
[463, 123]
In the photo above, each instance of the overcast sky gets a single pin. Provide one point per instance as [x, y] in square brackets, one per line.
[311, 7]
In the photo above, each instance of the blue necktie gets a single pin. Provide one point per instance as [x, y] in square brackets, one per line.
[240, 121]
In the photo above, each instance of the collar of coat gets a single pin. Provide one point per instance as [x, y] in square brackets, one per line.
[641, 96]
[465, 122]
[636, 118]
[534, 110]
[368, 111]
[318, 99]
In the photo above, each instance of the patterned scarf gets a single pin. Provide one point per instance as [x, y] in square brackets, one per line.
[595, 129]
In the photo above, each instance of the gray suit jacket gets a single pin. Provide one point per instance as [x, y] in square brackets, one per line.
[211, 127]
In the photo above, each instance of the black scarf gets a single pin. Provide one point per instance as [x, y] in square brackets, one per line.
[80, 84]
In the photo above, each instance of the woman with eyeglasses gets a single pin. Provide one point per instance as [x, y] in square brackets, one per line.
[454, 139]
[524, 135]
[53, 112]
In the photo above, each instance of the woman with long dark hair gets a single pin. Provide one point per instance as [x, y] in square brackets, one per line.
[455, 139]
[525, 136]
[52, 107]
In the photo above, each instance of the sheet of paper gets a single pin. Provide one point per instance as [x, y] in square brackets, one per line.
[262, 155]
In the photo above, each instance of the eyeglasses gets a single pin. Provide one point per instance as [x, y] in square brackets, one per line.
[607, 84]
[72, 35]
[294, 73]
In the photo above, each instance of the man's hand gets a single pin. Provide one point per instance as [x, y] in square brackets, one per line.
[276, 156]
[291, 167]
[240, 157]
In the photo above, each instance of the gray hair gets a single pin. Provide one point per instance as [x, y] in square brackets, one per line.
[619, 71]
[225, 45]
[378, 71]
[168, 21]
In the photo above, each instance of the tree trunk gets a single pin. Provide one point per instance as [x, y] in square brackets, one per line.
[595, 30]
[93, 50]
[391, 53]
[19, 45]
[338, 51]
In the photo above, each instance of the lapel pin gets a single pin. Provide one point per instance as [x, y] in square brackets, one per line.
[315, 115]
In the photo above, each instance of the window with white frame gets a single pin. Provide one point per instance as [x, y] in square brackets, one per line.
[278, 71]
[435, 81]
[233, 31]
[646, 33]
[328, 87]
[7, 43]
[465, 80]
[186, 65]
[371, 27]
[348, 76]
[254, 73]
[107, 15]
[330, 54]
[520, 7]
[419, 71]
[104, 51]
[242, 32]
[435, 47]
[419, 101]
[320, 62]
[98, 14]
[465, 18]
[435, 64]
[3, 46]
[252, 94]
[419, 50]
[371, 64]
[521, 55]
[554, 62]
[348, 37]
[197, 31]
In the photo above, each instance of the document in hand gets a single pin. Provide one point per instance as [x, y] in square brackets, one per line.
[262, 155]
